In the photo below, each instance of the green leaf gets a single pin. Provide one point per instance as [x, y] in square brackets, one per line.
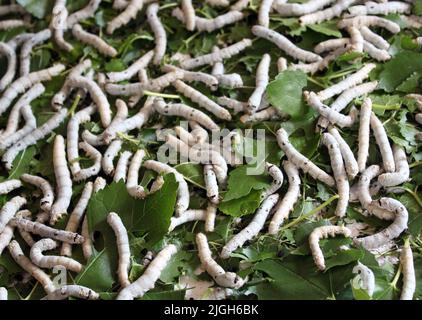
[115, 65]
[343, 257]
[418, 274]
[193, 172]
[285, 92]
[329, 28]
[179, 263]
[38, 8]
[22, 162]
[165, 295]
[415, 214]
[241, 206]
[417, 7]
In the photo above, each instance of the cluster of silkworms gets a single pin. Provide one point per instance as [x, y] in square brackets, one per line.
[110, 161]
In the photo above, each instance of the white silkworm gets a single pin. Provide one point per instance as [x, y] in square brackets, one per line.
[384, 146]
[299, 9]
[374, 38]
[26, 264]
[299, 160]
[162, 82]
[157, 184]
[375, 53]
[74, 291]
[261, 81]
[401, 175]
[369, 21]
[11, 8]
[58, 25]
[190, 76]
[187, 216]
[10, 54]
[374, 189]
[129, 13]
[198, 132]
[84, 13]
[281, 64]
[277, 179]
[375, 8]
[122, 166]
[393, 230]
[133, 188]
[9, 185]
[210, 216]
[24, 83]
[356, 39]
[331, 115]
[253, 227]
[189, 14]
[326, 14]
[46, 232]
[212, 58]
[49, 262]
[220, 276]
[240, 5]
[285, 44]
[93, 41]
[322, 233]
[26, 236]
[46, 189]
[97, 95]
[364, 133]
[218, 3]
[95, 168]
[160, 35]
[109, 155]
[211, 184]
[367, 278]
[87, 244]
[76, 216]
[12, 23]
[351, 81]
[72, 148]
[183, 196]
[232, 80]
[3, 294]
[285, 205]
[264, 13]
[235, 105]
[25, 54]
[120, 4]
[63, 181]
[32, 137]
[408, 269]
[122, 241]
[19, 39]
[331, 44]
[132, 70]
[182, 110]
[6, 236]
[9, 210]
[339, 172]
[202, 100]
[147, 281]
[351, 165]
[99, 184]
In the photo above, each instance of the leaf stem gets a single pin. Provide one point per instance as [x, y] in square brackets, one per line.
[162, 95]
[384, 107]
[415, 164]
[74, 105]
[310, 79]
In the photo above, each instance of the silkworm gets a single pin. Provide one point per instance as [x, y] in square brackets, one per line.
[408, 269]
[46, 231]
[182, 110]
[58, 25]
[367, 278]
[401, 175]
[63, 181]
[26, 236]
[6, 236]
[123, 248]
[299, 9]
[277, 179]
[187, 216]
[157, 184]
[10, 54]
[202, 100]
[281, 64]
[285, 44]
[76, 216]
[132, 70]
[160, 35]
[374, 8]
[384, 146]
[122, 166]
[351, 165]
[12, 23]
[19, 39]
[240, 5]
[33, 137]
[99, 184]
[218, 3]
[339, 172]
[220, 276]
[95, 168]
[9, 210]
[331, 44]
[120, 4]
[331, 115]
[364, 133]
[38, 258]
[261, 82]
[147, 281]
[74, 291]
[264, 13]
[356, 39]
[46, 189]
[322, 233]
[253, 227]
[11, 8]
[211, 184]
[235, 105]
[210, 215]
[22, 84]
[109, 155]
[351, 81]
[189, 14]
[133, 188]
[209, 80]
[326, 14]
[369, 21]
[93, 41]
[393, 230]
[183, 196]
[25, 53]
[375, 53]
[9, 185]
[84, 13]
[3, 294]
[26, 264]
[212, 58]
[374, 38]
[198, 132]
[129, 13]
[263, 115]
[299, 160]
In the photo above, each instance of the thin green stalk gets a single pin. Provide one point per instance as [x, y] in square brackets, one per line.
[415, 164]
[310, 79]
[162, 95]
[384, 107]
[74, 105]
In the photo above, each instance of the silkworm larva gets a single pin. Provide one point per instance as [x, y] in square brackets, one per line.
[331, 44]
[350, 162]
[10, 54]
[369, 21]
[235, 105]
[375, 8]
[132, 70]
[322, 233]
[264, 13]
[187, 216]
[46, 189]
[95, 168]
[375, 53]
[3, 294]
[401, 175]
[109, 155]
[9, 185]
[240, 5]
[374, 38]
[364, 133]
[326, 14]
[129, 13]
[210, 216]
[356, 39]
[6, 236]
[300, 9]
[384, 146]
[211, 184]
[84, 13]
[11, 8]
[261, 81]
[147, 281]
[133, 188]
[58, 25]
[285, 44]
[299, 160]
[12, 23]
[122, 166]
[408, 269]
[189, 13]
[277, 179]
[253, 227]
[367, 278]
[160, 35]
[209, 80]
[25, 54]
[9, 210]
[74, 291]
[120, 4]
[26, 236]
[93, 41]
[218, 3]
